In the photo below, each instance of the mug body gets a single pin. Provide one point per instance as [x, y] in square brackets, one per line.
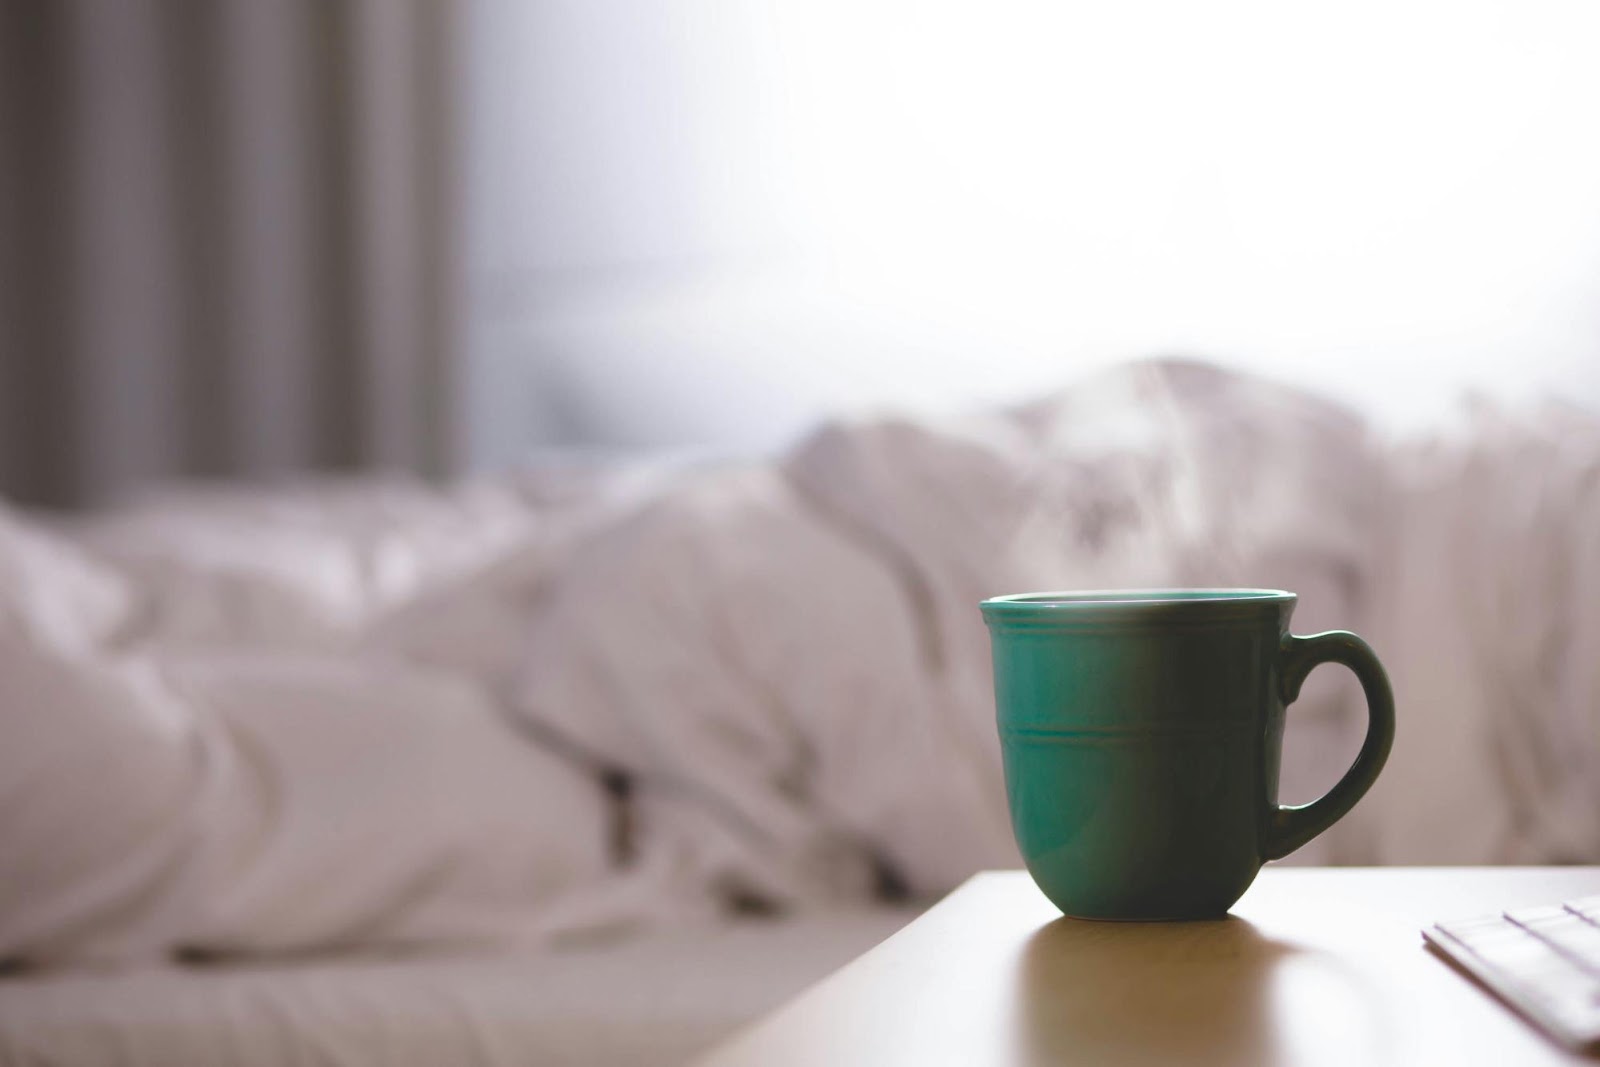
[1141, 733]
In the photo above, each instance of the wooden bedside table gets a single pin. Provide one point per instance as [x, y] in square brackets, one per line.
[1316, 966]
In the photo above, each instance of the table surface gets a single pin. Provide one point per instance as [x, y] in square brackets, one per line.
[1315, 966]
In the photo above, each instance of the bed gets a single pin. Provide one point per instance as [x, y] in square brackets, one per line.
[374, 772]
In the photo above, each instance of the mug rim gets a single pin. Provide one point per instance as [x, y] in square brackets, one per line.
[1079, 603]
[1177, 594]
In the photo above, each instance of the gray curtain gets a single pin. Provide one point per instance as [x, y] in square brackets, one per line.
[226, 241]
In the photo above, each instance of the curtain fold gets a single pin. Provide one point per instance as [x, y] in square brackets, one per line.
[227, 241]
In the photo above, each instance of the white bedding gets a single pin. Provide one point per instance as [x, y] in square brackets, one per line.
[527, 710]
[650, 1001]
[789, 659]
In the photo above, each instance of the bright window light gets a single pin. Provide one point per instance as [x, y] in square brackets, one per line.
[931, 204]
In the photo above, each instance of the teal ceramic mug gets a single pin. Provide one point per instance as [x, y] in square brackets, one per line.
[1141, 733]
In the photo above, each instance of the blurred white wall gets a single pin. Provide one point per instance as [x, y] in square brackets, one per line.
[708, 222]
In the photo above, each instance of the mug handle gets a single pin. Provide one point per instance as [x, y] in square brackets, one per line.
[1290, 827]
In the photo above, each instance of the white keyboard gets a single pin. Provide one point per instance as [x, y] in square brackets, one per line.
[1545, 962]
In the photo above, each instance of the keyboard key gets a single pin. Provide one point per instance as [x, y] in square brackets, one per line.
[1566, 932]
[1585, 907]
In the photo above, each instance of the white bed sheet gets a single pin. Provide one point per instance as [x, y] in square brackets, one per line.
[659, 999]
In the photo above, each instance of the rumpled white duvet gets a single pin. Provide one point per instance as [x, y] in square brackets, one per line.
[551, 704]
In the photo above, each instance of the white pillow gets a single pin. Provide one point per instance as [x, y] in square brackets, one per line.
[376, 803]
[304, 568]
[103, 775]
[272, 804]
[52, 593]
